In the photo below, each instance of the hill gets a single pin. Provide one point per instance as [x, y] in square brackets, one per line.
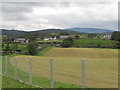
[48, 31]
[38, 32]
[90, 30]
[12, 32]
[57, 31]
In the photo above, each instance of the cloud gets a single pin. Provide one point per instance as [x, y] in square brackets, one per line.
[34, 16]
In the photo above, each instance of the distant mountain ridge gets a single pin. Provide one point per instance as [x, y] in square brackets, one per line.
[47, 31]
[90, 30]
[40, 32]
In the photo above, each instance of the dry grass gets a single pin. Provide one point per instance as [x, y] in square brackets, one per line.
[101, 70]
[83, 52]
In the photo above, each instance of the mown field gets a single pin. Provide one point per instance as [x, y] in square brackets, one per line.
[101, 66]
[87, 42]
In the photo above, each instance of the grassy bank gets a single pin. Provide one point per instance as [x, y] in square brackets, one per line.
[11, 83]
[44, 50]
[102, 67]
[37, 79]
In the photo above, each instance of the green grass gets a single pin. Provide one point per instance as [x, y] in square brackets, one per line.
[84, 36]
[50, 41]
[92, 43]
[11, 83]
[37, 79]
[23, 48]
[43, 51]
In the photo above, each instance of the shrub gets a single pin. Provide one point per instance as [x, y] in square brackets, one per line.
[32, 48]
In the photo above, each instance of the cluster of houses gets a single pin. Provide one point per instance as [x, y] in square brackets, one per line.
[26, 41]
[61, 37]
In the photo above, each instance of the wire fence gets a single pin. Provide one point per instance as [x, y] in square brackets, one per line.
[49, 72]
[24, 70]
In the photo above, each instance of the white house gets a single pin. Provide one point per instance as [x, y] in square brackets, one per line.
[55, 38]
[46, 38]
[50, 38]
[107, 37]
[21, 40]
[64, 37]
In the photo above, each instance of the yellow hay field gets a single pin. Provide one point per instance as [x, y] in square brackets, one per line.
[101, 66]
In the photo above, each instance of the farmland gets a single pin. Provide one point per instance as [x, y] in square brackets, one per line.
[101, 68]
[92, 43]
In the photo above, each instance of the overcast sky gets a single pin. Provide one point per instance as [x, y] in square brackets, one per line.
[36, 16]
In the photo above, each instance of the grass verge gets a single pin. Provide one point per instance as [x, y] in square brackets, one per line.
[37, 80]
[11, 83]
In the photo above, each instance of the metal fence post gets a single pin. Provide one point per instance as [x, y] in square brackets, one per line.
[83, 73]
[51, 73]
[30, 70]
[16, 68]
[6, 66]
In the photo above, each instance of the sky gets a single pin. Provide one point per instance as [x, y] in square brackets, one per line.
[60, 15]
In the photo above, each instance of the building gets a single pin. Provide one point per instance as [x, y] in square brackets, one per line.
[50, 38]
[46, 38]
[64, 37]
[107, 37]
[21, 40]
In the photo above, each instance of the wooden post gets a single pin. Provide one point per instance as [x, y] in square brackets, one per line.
[6, 66]
[16, 68]
[30, 71]
[83, 73]
[51, 73]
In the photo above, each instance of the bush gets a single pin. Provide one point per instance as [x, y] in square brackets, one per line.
[32, 48]
[67, 42]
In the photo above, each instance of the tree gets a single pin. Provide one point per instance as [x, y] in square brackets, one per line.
[58, 36]
[32, 48]
[115, 36]
[67, 42]
[92, 35]
[116, 39]
[2, 46]
[7, 48]
[53, 35]
[77, 36]
[14, 47]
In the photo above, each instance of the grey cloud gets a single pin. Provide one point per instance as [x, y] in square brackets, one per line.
[21, 13]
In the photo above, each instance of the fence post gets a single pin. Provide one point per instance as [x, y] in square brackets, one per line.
[6, 66]
[51, 73]
[16, 68]
[83, 73]
[30, 71]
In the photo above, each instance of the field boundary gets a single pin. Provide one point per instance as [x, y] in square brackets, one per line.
[21, 81]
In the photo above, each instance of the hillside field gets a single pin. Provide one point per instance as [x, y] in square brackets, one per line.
[101, 66]
[92, 42]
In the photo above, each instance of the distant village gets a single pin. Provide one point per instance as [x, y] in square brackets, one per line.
[62, 37]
